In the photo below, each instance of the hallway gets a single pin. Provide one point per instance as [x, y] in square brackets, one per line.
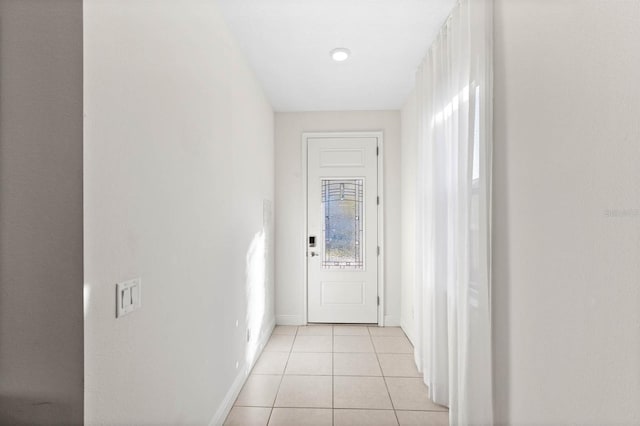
[336, 375]
[186, 185]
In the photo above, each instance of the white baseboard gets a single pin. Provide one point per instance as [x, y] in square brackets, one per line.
[290, 320]
[227, 403]
[391, 321]
[224, 408]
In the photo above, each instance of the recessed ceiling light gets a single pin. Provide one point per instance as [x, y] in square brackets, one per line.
[340, 54]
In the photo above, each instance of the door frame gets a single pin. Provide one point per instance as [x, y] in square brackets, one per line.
[380, 166]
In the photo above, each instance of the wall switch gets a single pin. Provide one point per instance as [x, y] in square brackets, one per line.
[128, 296]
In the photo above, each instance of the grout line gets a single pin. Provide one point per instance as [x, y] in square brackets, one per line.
[424, 411]
[273, 404]
[338, 375]
[365, 409]
[386, 386]
[270, 414]
[333, 375]
[344, 408]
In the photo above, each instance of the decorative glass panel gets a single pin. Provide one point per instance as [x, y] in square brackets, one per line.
[342, 204]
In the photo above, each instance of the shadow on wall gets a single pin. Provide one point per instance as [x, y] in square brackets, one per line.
[32, 410]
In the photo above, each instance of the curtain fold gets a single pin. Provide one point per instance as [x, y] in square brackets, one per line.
[454, 98]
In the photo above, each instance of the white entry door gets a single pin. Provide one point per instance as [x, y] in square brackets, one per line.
[342, 229]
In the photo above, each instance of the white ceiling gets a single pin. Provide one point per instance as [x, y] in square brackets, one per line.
[287, 43]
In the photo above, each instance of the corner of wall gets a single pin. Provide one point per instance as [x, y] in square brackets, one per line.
[391, 321]
[408, 329]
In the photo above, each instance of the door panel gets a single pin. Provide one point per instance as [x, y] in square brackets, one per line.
[343, 222]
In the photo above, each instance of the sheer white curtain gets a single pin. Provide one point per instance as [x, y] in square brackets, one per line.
[454, 89]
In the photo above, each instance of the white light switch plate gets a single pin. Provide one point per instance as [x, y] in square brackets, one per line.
[128, 296]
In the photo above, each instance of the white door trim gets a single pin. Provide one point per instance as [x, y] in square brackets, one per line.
[380, 137]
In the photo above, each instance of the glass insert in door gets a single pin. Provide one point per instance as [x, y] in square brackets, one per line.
[343, 224]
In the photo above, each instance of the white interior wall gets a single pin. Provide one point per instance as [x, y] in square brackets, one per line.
[566, 303]
[290, 203]
[409, 163]
[178, 162]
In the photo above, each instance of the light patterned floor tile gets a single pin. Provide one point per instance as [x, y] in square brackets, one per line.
[350, 330]
[310, 363]
[344, 417]
[271, 363]
[392, 345]
[360, 392]
[300, 417]
[352, 344]
[398, 365]
[410, 394]
[304, 372]
[386, 331]
[279, 343]
[423, 418]
[313, 344]
[356, 364]
[259, 391]
[315, 330]
[286, 329]
[305, 391]
[248, 416]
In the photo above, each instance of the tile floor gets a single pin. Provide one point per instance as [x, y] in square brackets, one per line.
[336, 375]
